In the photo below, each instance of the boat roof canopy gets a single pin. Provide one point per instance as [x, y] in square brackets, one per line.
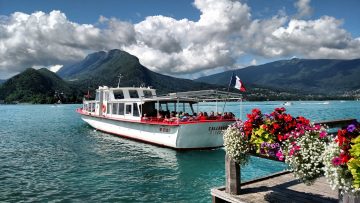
[202, 95]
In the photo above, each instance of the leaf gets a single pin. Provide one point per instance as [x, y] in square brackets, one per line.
[355, 149]
[354, 168]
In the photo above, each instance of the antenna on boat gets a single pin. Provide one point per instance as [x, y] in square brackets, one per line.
[120, 76]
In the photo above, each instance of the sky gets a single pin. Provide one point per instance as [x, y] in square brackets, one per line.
[187, 38]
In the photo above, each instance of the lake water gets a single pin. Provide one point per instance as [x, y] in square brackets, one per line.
[47, 153]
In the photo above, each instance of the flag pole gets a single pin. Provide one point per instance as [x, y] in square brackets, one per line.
[241, 108]
[227, 97]
[233, 82]
[228, 90]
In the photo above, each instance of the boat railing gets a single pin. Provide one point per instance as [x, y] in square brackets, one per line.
[177, 120]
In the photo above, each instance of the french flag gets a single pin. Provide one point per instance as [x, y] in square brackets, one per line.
[236, 83]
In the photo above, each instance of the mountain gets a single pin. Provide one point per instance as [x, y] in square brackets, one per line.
[89, 63]
[37, 86]
[103, 68]
[2, 81]
[306, 75]
[271, 81]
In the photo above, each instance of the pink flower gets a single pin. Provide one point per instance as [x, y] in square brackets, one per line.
[336, 161]
[323, 134]
[317, 127]
[280, 155]
[302, 132]
[291, 152]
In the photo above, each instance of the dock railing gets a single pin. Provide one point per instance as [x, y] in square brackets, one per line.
[232, 169]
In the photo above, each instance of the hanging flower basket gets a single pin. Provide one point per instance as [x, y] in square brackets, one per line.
[342, 162]
[280, 136]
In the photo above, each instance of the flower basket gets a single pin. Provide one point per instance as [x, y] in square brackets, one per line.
[280, 136]
[342, 163]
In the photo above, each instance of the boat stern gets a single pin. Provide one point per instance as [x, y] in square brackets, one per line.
[201, 135]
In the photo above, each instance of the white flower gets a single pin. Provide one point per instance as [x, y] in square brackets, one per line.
[306, 162]
[236, 145]
[337, 176]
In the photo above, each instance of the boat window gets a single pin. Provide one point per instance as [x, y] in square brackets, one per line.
[121, 108]
[115, 108]
[171, 107]
[108, 108]
[187, 107]
[133, 94]
[149, 109]
[128, 108]
[106, 96]
[118, 94]
[136, 109]
[97, 96]
[92, 107]
[183, 107]
[147, 94]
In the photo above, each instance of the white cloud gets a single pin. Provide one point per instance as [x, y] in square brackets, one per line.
[224, 33]
[253, 62]
[41, 39]
[321, 38]
[55, 68]
[103, 19]
[304, 8]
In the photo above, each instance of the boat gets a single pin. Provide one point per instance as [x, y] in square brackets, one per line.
[138, 113]
[287, 103]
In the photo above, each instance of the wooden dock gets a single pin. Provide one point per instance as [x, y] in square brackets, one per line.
[280, 187]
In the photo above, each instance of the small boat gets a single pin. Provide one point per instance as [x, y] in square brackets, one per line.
[138, 113]
[287, 103]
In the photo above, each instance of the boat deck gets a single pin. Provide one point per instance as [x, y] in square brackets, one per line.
[281, 187]
[156, 121]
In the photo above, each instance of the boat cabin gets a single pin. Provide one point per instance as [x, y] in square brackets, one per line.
[143, 104]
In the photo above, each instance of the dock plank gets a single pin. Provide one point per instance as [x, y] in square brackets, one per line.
[281, 188]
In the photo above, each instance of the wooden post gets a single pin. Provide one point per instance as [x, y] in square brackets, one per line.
[232, 171]
[348, 198]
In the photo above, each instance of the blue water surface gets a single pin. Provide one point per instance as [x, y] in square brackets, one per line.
[47, 153]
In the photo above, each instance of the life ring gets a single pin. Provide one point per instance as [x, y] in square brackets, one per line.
[103, 108]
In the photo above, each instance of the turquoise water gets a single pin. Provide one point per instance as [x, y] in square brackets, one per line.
[47, 153]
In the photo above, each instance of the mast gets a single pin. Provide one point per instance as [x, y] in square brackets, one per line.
[120, 76]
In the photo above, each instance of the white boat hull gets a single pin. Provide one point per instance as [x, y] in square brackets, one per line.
[199, 135]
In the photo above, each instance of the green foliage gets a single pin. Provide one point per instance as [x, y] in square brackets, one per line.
[354, 163]
[259, 135]
[355, 148]
[38, 87]
[354, 167]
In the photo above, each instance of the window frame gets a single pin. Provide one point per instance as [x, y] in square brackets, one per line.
[134, 94]
[126, 109]
[116, 95]
[121, 109]
[135, 106]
